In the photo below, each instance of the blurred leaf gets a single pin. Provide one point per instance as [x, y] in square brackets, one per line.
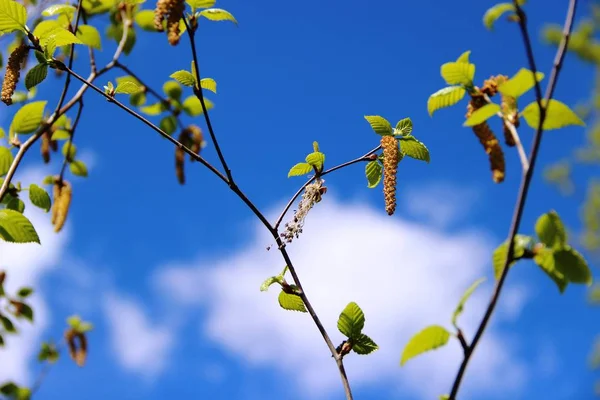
[6, 160]
[78, 168]
[545, 260]
[445, 97]
[558, 115]
[572, 266]
[90, 36]
[520, 83]
[428, 339]
[492, 14]
[482, 114]
[551, 231]
[467, 294]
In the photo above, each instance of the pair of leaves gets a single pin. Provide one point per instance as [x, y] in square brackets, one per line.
[314, 161]
[187, 78]
[382, 126]
[351, 323]
[123, 87]
[460, 74]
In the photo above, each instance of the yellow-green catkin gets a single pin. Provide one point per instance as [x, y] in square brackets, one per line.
[197, 139]
[391, 157]
[172, 11]
[62, 194]
[13, 72]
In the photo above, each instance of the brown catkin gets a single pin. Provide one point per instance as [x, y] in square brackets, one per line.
[172, 11]
[197, 140]
[184, 138]
[391, 157]
[488, 140]
[62, 194]
[77, 352]
[13, 72]
[45, 147]
[160, 12]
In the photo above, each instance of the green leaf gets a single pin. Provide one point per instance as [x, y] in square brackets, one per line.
[78, 168]
[154, 109]
[85, 327]
[137, 99]
[458, 73]
[291, 302]
[7, 324]
[404, 127]
[52, 30]
[482, 114]
[145, 20]
[13, 17]
[59, 9]
[545, 260]
[16, 228]
[316, 160]
[127, 88]
[411, 147]
[218, 14]
[380, 125]
[6, 160]
[520, 83]
[268, 282]
[2, 133]
[461, 304]
[208, 84]
[39, 197]
[69, 150]
[60, 134]
[90, 36]
[492, 14]
[464, 57]
[501, 252]
[184, 77]
[172, 89]
[168, 124]
[374, 172]
[36, 75]
[558, 115]
[193, 107]
[28, 118]
[364, 345]
[16, 204]
[201, 3]
[428, 339]
[9, 389]
[128, 78]
[445, 97]
[74, 321]
[351, 321]
[49, 48]
[48, 352]
[300, 169]
[25, 292]
[551, 231]
[40, 57]
[572, 266]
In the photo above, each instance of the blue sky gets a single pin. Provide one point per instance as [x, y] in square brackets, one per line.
[169, 275]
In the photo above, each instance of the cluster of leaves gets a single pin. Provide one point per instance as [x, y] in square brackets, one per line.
[314, 161]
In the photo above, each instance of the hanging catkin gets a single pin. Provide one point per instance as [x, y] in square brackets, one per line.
[391, 157]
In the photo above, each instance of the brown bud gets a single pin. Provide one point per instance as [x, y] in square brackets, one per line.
[62, 195]
[13, 72]
[184, 138]
[45, 147]
[77, 351]
[391, 157]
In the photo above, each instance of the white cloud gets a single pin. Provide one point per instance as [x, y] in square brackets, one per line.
[405, 276]
[139, 345]
[25, 265]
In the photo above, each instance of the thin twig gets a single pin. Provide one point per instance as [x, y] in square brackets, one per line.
[528, 174]
[366, 157]
[200, 96]
[70, 143]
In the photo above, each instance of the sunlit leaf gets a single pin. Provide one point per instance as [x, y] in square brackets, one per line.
[351, 321]
[445, 97]
[28, 118]
[39, 197]
[520, 83]
[13, 16]
[374, 172]
[184, 77]
[208, 84]
[404, 127]
[90, 36]
[300, 169]
[482, 114]
[291, 302]
[551, 230]
[193, 107]
[464, 57]
[428, 339]
[558, 115]
[145, 20]
[492, 14]
[58, 9]
[458, 73]
[36, 75]
[16, 228]
[411, 147]
[218, 14]
[461, 304]
[380, 125]
[6, 160]
[316, 160]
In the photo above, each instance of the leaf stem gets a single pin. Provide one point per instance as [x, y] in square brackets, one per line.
[527, 173]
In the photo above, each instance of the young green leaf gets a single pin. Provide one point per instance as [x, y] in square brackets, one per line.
[193, 107]
[316, 160]
[411, 147]
[217, 14]
[184, 77]
[78, 168]
[291, 302]
[445, 97]
[145, 20]
[558, 115]
[153, 109]
[458, 73]
[16, 228]
[461, 304]
[428, 339]
[60, 134]
[48, 352]
[36, 75]
[69, 151]
[551, 231]
[501, 252]
[351, 321]
[572, 266]
[40, 57]
[364, 345]
[137, 99]
[25, 292]
[90, 36]
[7, 324]
[127, 88]
[128, 78]
[16, 204]
[520, 83]
[52, 30]
[201, 3]
[208, 84]
[482, 114]
[268, 282]
[59, 9]
[545, 260]
[6, 160]
[464, 57]
[168, 124]
[172, 90]
[39, 197]
[13, 16]
[300, 169]
[492, 14]
[28, 118]
[404, 127]
[374, 172]
[380, 125]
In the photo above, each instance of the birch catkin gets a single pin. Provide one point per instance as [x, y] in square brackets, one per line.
[172, 11]
[13, 72]
[391, 157]
[62, 195]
